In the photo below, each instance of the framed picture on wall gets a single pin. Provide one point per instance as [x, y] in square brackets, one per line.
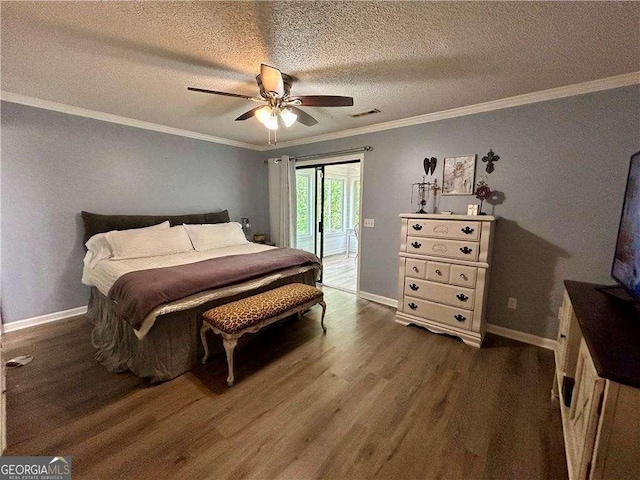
[459, 175]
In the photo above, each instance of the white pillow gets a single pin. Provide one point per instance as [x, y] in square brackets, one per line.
[98, 247]
[149, 243]
[217, 235]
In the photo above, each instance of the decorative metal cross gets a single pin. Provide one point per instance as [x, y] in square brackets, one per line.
[489, 159]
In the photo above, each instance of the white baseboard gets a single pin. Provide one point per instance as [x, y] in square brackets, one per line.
[42, 319]
[547, 343]
[390, 302]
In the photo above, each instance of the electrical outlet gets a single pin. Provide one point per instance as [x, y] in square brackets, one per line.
[369, 222]
[512, 303]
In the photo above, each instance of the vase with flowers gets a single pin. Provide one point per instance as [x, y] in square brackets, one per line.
[483, 192]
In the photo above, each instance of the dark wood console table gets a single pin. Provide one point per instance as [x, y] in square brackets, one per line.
[598, 383]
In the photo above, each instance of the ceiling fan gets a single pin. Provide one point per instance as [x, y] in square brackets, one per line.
[278, 104]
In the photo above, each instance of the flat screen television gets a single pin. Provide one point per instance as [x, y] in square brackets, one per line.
[626, 262]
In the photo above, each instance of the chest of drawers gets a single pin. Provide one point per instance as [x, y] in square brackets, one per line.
[444, 273]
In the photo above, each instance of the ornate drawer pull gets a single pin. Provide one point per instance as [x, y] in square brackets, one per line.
[562, 335]
[438, 272]
[414, 287]
[412, 306]
[467, 230]
[417, 226]
[466, 250]
[417, 245]
[415, 269]
[462, 297]
[463, 276]
[460, 318]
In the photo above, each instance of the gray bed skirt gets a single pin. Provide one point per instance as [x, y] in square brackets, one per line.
[172, 346]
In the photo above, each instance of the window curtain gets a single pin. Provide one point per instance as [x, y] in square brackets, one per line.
[282, 201]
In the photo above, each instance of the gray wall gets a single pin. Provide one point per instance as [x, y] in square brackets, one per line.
[55, 165]
[562, 172]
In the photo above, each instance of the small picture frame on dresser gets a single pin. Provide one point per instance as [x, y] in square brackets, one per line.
[459, 175]
[472, 209]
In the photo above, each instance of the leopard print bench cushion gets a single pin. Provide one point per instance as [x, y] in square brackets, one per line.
[236, 316]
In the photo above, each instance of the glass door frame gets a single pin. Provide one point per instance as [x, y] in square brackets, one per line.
[319, 213]
[318, 235]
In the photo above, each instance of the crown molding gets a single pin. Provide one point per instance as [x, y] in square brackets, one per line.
[108, 117]
[608, 83]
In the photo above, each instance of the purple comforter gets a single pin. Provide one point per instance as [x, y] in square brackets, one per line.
[136, 294]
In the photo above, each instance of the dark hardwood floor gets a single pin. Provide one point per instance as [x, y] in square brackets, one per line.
[371, 399]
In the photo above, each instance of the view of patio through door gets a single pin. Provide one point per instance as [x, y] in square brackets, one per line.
[328, 219]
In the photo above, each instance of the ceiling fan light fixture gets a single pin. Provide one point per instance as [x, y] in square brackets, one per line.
[271, 122]
[288, 117]
[277, 104]
[263, 114]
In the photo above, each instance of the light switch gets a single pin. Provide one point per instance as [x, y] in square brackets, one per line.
[369, 222]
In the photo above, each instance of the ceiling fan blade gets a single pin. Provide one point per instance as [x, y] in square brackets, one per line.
[324, 101]
[227, 94]
[249, 114]
[303, 117]
[272, 79]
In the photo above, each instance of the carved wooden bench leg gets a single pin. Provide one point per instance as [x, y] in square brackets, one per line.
[249, 315]
[203, 337]
[229, 346]
[324, 310]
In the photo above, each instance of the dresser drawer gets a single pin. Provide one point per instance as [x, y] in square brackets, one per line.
[456, 317]
[453, 229]
[437, 292]
[438, 272]
[443, 248]
[416, 268]
[463, 276]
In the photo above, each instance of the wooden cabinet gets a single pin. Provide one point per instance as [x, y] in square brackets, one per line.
[444, 273]
[3, 400]
[598, 382]
[583, 415]
[568, 340]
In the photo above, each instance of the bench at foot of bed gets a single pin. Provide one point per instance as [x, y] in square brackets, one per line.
[232, 320]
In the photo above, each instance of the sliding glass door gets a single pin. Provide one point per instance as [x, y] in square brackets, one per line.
[310, 204]
[306, 209]
[328, 207]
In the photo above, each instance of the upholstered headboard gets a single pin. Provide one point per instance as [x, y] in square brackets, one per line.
[95, 223]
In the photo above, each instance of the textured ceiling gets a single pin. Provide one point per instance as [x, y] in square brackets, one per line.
[135, 59]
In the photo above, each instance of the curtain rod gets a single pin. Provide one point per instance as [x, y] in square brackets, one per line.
[367, 148]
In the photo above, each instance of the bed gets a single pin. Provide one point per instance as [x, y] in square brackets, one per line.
[160, 340]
